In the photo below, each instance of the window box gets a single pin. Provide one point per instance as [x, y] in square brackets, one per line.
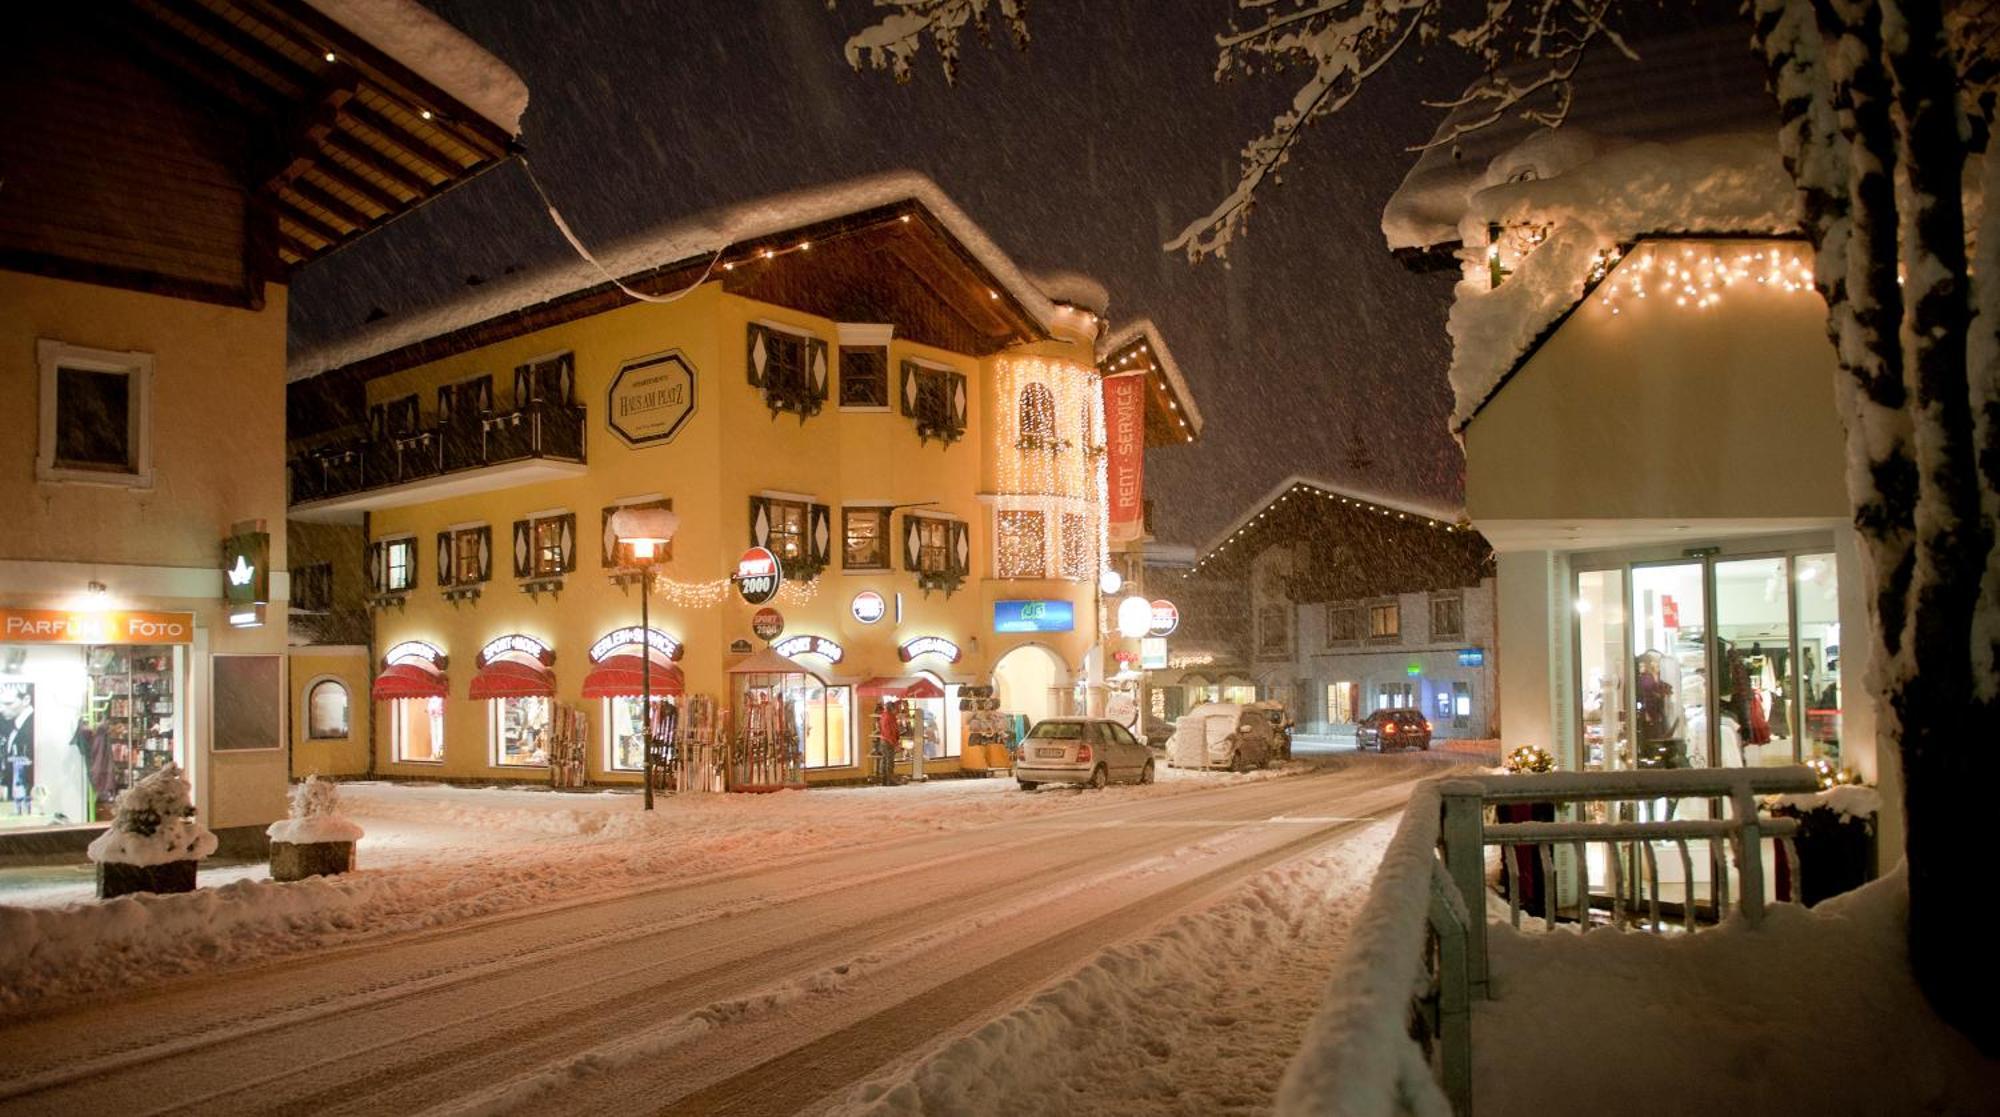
[938, 551]
[937, 399]
[96, 416]
[790, 367]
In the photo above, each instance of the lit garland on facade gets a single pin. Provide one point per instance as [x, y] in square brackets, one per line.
[1051, 460]
[1694, 276]
[1308, 491]
[709, 594]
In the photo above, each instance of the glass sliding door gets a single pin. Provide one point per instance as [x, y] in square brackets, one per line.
[1604, 681]
[1817, 598]
[1670, 671]
[1756, 703]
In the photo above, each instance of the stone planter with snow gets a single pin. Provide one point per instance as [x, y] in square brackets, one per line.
[1835, 842]
[316, 840]
[154, 843]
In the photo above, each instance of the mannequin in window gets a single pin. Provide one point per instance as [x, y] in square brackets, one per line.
[1661, 737]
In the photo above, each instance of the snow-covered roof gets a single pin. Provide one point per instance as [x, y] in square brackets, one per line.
[437, 52]
[1144, 328]
[697, 238]
[1085, 292]
[1683, 85]
[1597, 195]
[1436, 515]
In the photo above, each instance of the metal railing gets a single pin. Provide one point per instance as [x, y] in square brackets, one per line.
[538, 430]
[1377, 1047]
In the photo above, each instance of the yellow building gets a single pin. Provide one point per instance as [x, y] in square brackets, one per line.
[166, 170]
[857, 380]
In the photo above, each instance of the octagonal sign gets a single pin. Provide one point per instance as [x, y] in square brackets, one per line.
[650, 399]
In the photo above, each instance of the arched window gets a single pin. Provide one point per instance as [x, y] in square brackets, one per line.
[326, 710]
[1038, 418]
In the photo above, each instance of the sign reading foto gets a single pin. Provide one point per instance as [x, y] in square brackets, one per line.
[651, 399]
[54, 626]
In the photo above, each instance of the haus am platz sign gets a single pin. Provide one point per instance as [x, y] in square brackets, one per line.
[651, 399]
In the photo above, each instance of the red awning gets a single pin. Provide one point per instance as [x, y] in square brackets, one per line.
[506, 678]
[621, 676]
[408, 680]
[900, 686]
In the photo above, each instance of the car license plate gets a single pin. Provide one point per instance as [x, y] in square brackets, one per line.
[1049, 754]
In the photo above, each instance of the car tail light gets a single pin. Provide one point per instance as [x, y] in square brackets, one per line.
[1083, 754]
[1389, 727]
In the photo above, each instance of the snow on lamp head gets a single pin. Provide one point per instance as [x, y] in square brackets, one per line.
[644, 530]
[1135, 616]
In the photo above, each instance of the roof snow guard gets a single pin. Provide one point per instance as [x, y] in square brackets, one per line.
[1171, 414]
[1236, 540]
[828, 251]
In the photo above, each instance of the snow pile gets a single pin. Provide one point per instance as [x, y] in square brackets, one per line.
[696, 240]
[314, 816]
[438, 52]
[1595, 195]
[155, 824]
[1790, 1017]
[1197, 1017]
[1358, 1056]
[1085, 292]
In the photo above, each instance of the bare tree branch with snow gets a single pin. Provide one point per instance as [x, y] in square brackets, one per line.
[892, 42]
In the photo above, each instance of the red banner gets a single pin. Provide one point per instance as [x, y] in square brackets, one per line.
[1125, 455]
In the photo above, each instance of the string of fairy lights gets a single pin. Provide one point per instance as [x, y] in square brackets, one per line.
[713, 592]
[1694, 276]
[1052, 418]
[1139, 357]
[1310, 493]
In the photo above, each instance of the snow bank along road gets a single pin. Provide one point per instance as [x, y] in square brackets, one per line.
[860, 982]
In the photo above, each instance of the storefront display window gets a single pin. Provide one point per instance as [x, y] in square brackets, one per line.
[80, 723]
[1669, 666]
[1817, 591]
[827, 714]
[1340, 701]
[327, 710]
[1755, 709]
[624, 732]
[1461, 705]
[521, 730]
[416, 729]
[1604, 672]
[1396, 696]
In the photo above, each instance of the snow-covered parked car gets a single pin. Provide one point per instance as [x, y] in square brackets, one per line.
[1222, 735]
[1091, 751]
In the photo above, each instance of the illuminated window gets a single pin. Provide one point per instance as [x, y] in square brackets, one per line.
[1023, 544]
[547, 546]
[1038, 418]
[416, 730]
[624, 732]
[865, 538]
[1078, 554]
[520, 731]
[788, 529]
[933, 545]
[399, 558]
[326, 711]
[1385, 621]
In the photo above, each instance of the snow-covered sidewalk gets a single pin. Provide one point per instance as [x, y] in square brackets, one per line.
[1814, 1012]
[436, 856]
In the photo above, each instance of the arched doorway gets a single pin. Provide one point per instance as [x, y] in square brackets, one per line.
[1032, 683]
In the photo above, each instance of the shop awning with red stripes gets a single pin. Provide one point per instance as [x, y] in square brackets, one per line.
[506, 678]
[900, 686]
[622, 676]
[408, 680]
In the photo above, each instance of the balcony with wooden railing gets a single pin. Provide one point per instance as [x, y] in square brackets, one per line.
[469, 452]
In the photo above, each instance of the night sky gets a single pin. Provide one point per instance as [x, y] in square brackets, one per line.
[1086, 152]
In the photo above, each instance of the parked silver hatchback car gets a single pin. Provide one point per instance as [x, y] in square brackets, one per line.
[1089, 751]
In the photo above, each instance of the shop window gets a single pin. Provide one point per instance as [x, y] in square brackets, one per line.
[1340, 699]
[416, 730]
[829, 717]
[1447, 617]
[1385, 621]
[1397, 696]
[96, 418]
[624, 732]
[1274, 630]
[520, 731]
[864, 538]
[399, 564]
[864, 377]
[1461, 705]
[1343, 624]
[312, 588]
[1078, 555]
[327, 711]
[1021, 538]
[1441, 700]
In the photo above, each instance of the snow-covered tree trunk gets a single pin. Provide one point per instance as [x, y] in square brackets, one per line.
[1931, 688]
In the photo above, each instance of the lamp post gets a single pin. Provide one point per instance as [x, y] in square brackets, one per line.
[643, 532]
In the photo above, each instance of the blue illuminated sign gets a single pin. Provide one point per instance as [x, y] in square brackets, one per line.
[1034, 616]
[1472, 657]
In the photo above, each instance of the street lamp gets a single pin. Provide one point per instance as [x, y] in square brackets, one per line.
[643, 532]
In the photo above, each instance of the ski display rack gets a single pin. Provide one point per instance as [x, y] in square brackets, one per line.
[766, 753]
[698, 763]
[569, 738]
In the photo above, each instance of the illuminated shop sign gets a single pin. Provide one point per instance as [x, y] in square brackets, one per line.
[1153, 652]
[55, 626]
[928, 645]
[415, 651]
[246, 577]
[519, 645]
[628, 637]
[758, 575]
[1034, 616]
[809, 645]
[869, 607]
[1472, 657]
[1166, 617]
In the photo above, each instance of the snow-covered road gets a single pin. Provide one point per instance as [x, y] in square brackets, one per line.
[1145, 952]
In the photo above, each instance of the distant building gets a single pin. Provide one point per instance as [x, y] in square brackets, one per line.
[1356, 602]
